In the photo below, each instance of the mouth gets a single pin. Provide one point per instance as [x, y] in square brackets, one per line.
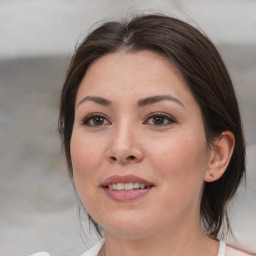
[128, 187]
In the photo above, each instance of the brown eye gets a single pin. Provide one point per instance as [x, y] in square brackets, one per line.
[98, 120]
[95, 120]
[159, 119]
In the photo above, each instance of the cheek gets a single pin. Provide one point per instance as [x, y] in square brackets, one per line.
[86, 159]
[181, 161]
[179, 152]
[85, 154]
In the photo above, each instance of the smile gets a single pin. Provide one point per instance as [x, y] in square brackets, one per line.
[127, 186]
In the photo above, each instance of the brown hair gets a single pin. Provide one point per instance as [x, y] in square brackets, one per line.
[205, 74]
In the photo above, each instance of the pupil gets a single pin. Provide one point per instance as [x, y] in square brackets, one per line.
[98, 120]
[158, 120]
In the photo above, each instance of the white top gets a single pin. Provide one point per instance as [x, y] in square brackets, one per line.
[94, 251]
[222, 249]
[41, 254]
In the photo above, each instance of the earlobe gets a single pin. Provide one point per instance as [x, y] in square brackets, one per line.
[220, 155]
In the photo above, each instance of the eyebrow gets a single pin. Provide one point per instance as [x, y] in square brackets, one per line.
[141, 103]
[158, 98]
[98, 100]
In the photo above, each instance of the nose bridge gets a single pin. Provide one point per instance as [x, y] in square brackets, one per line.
[123, 136]
[124, 146]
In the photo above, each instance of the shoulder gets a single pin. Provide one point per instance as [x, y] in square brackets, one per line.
[232, 251]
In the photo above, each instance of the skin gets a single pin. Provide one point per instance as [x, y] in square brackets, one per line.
[173, 155]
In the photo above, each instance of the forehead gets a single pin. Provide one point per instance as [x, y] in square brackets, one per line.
[128, 74]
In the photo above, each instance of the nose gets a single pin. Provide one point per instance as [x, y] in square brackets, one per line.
[124, 147]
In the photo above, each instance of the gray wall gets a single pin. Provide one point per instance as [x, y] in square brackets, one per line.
[52, 27]
[37, 38]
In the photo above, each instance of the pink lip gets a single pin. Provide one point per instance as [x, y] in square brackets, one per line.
[129, 194]
[124, 179]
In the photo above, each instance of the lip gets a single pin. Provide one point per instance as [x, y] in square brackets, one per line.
[125, 179]
[126, 195]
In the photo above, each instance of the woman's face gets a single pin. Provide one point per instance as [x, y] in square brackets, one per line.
[138, 146]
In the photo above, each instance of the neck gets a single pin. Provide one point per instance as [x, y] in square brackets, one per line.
[190, 242]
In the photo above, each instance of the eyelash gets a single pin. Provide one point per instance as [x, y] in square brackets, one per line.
[170, 120]
[87, 119]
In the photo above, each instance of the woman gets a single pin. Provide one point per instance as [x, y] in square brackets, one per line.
[152, 135]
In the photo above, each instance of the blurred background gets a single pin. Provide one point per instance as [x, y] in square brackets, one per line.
[38, 209]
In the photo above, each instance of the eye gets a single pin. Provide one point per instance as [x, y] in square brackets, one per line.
[95, 120]
[159, 119]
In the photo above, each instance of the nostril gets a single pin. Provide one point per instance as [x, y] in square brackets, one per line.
[122, 158]
[113, 158]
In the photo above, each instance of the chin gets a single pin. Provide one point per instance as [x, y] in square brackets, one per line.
[128, 229]
[127, 233]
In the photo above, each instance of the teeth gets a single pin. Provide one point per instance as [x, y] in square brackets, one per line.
[120, 186]
[136, 185]
[126, 186]
[142, 186]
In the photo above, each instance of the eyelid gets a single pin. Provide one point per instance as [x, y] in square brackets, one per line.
[89, 116]
[168, 116]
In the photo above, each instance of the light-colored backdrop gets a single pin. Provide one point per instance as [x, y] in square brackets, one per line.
[37, 37]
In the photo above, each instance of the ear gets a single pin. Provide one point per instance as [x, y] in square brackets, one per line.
[220, 155]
